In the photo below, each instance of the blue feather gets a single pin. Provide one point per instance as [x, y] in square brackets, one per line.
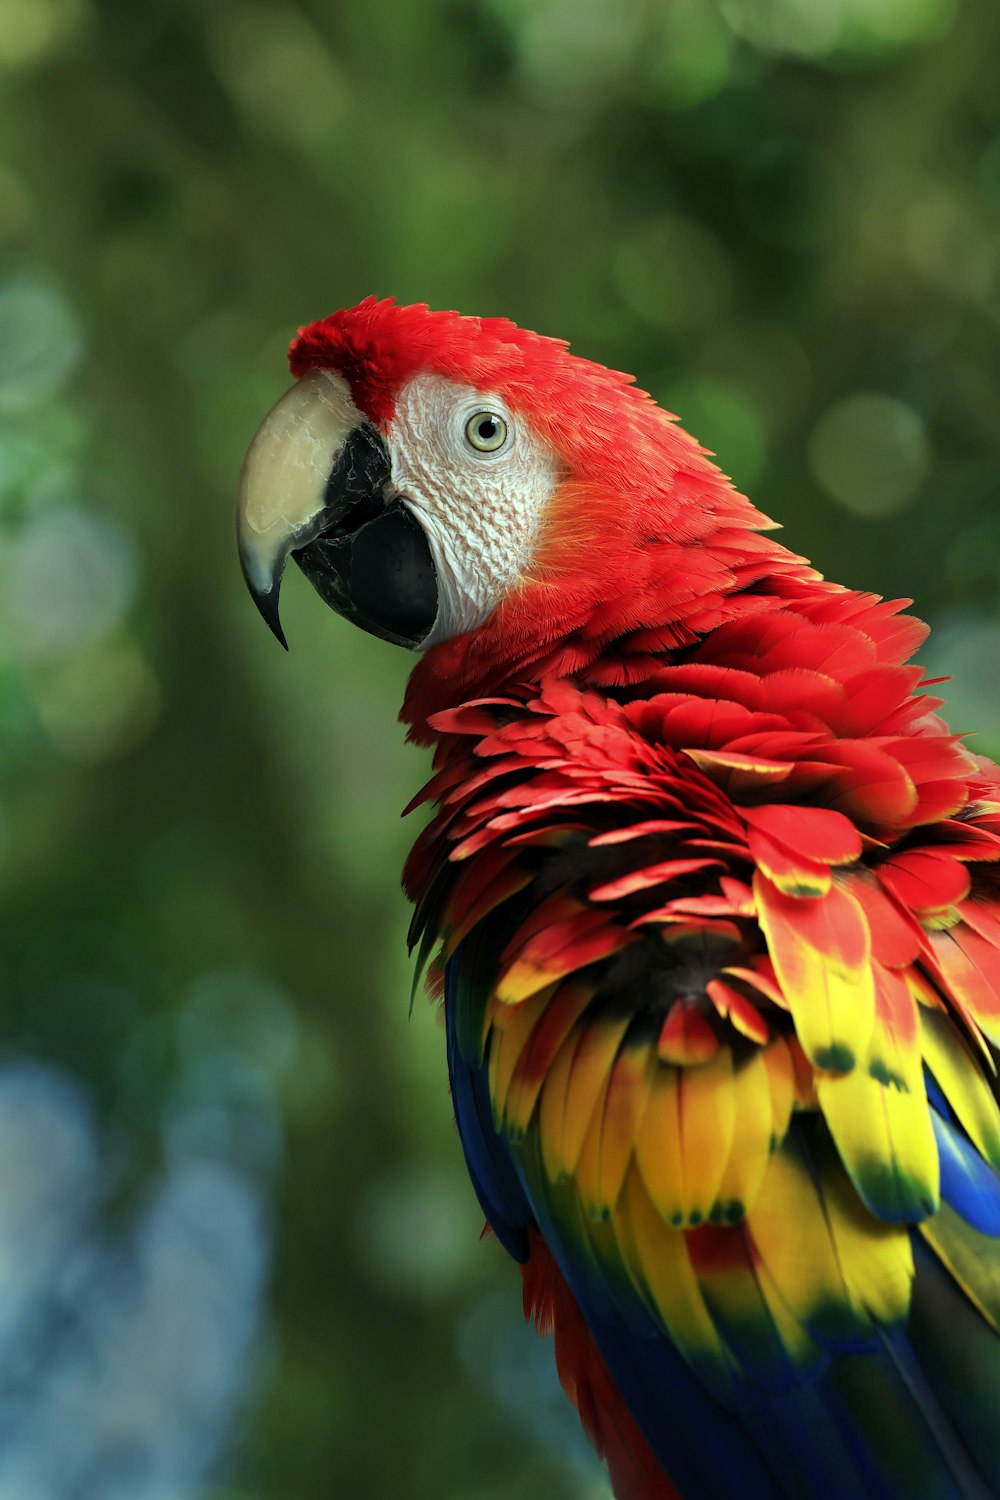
[968, 1183]
[487, 1157]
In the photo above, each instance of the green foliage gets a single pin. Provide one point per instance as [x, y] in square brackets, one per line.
[782, 217]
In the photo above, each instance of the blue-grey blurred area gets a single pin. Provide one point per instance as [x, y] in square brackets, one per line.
[239, 1259]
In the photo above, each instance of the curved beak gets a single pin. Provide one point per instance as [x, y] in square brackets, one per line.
[283, 481]
[316, 485]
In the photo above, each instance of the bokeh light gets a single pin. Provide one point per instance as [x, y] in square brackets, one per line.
[815, 28]
[40, 344]
[870, 452]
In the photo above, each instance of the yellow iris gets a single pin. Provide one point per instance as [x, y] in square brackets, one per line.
[486, 431]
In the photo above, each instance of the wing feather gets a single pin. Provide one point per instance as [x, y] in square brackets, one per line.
[746, 1099]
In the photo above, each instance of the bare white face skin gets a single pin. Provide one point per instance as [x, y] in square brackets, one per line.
[478, 482]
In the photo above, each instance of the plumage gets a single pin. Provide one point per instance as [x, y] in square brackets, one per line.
[715, 899]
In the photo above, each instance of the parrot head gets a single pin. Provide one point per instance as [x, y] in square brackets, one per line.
[475, 492]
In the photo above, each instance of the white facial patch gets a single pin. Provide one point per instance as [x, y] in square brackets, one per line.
[480, 506]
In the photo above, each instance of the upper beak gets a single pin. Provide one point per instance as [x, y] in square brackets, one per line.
[283, 481]
[316, 483]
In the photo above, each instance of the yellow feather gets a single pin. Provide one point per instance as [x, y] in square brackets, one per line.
[526, 975]
[754, 1126]
[876, 1259]
[626, 1238]
[660, 1259]
[962, 1081]
[886, 1142]
[815, 881]
[525, 978]
[552, 1110]
[821, 951]
[605, 1245]
[923, 991]
[493, 1005]
[512, 1028]
[781, 1081]
[792, 1235]
[658, 1147]
[561, 1015]
[624, 1110]
[586, 1172]
[706, 1120]
[588, 1079]
[754, 1317]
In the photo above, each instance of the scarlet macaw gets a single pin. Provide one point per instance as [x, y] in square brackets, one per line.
[712, 898]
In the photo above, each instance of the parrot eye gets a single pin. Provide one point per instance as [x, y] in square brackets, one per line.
[486, 431]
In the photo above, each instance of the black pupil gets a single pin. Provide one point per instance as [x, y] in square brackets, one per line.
[487, 429]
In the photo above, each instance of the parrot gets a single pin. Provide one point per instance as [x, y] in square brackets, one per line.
[708, 895]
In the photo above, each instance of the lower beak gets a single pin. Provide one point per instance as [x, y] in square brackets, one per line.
[316, 485]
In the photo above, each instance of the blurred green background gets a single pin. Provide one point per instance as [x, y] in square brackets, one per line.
[238, 1254]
